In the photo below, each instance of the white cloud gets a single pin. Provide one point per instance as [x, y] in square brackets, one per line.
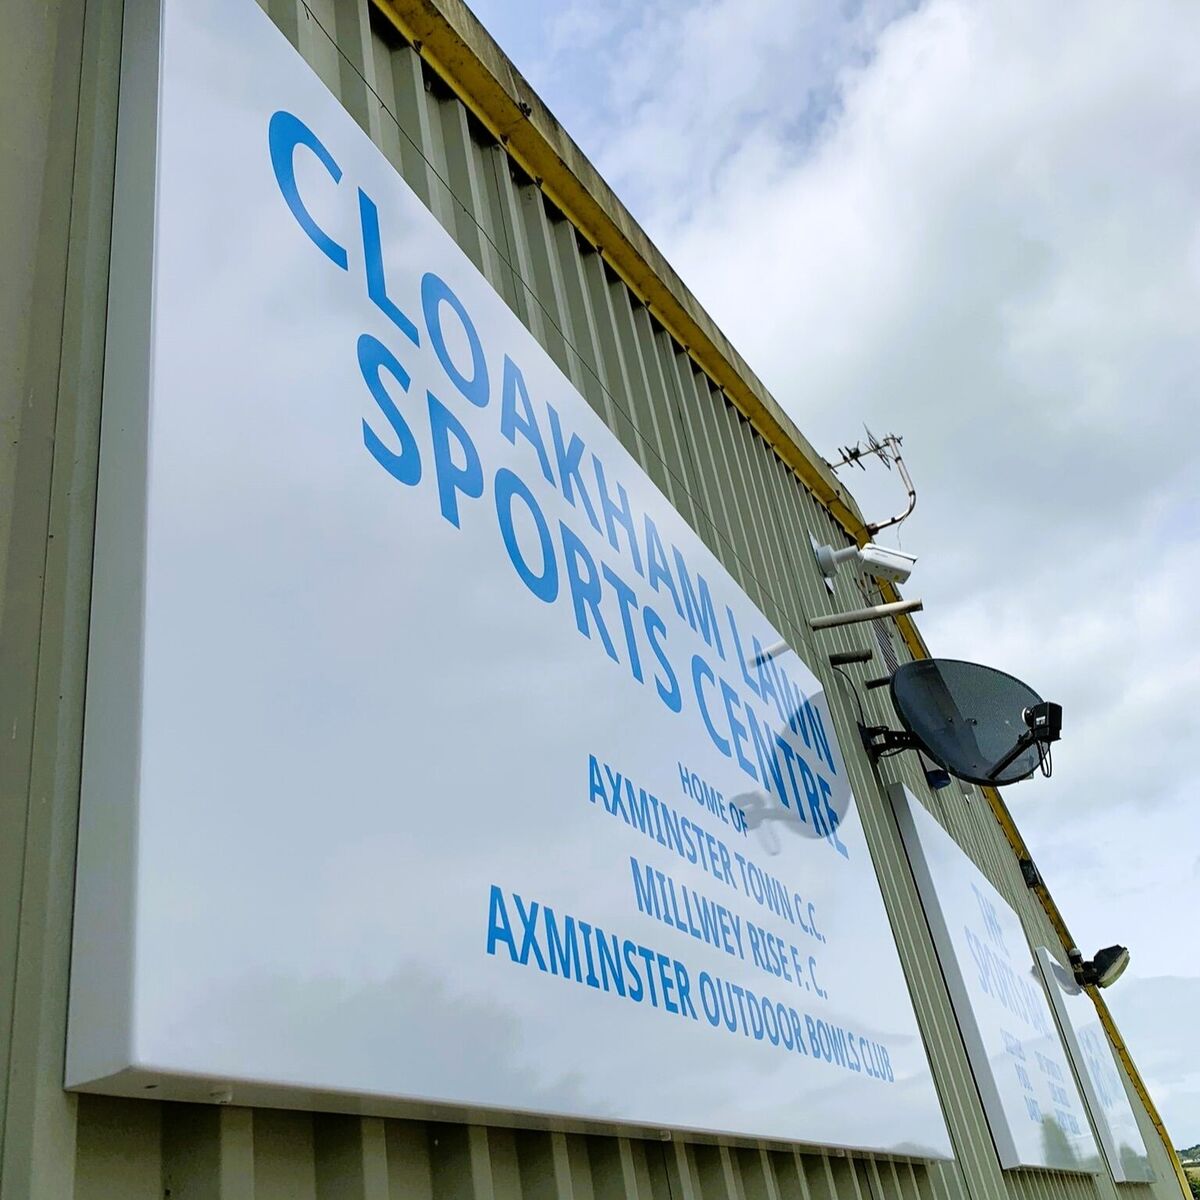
[978, 225]
[1172, 1074]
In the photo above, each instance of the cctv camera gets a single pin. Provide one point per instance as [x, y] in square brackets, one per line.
[893, 565]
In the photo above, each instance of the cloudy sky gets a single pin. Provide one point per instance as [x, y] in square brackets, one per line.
[977, 225]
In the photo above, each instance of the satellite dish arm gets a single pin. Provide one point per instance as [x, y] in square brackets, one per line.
[1044, 720]
[1027, 739]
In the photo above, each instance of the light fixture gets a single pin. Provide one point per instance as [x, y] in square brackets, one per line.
[1101, 971]
[880, 561]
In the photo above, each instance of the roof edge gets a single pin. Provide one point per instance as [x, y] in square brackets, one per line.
[450, 39]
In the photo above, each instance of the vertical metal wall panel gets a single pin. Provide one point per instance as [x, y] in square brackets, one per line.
[58, 79]
[743, 501]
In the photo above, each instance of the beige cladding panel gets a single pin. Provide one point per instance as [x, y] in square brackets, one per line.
[59, 65]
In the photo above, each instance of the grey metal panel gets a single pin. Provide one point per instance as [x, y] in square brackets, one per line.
[61, 110]
[742, 500]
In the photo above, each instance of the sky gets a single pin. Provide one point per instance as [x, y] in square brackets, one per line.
[976, 225]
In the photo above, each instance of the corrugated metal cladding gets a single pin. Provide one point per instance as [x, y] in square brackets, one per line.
[59, 63]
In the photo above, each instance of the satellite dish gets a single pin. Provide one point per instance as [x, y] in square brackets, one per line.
[978, 723]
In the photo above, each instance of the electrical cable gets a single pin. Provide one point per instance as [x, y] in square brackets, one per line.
[862, 716]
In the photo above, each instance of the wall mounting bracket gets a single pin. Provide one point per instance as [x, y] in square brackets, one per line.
[879, 739]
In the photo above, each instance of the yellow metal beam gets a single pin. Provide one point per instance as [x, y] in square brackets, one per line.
[492, 92]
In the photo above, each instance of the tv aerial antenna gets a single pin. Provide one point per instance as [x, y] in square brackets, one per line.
[887, 450]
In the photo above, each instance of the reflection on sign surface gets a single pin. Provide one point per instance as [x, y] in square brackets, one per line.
[1029, 1095]
[1097, 1067]
[452, 771]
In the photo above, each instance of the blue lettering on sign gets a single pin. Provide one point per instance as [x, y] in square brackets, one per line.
[991, 921]
[667, 683]
[403, 463]
[580, 952]
[544, 583]
[368, 216]
[458, 471]
[658, 895]
[517, 415]
[998, 979]
[612, 576]
[436, 297]
[534, 935]
[285, 133]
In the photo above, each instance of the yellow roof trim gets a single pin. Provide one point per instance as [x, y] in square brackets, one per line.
[509, 109]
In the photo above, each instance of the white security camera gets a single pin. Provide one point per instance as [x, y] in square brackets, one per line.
[882, 562]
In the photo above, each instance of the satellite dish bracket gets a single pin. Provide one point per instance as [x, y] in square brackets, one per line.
[878, 740]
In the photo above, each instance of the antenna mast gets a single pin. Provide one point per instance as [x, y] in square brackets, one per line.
[887, 450]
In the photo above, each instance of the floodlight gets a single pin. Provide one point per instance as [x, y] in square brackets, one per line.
[1103, 970]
